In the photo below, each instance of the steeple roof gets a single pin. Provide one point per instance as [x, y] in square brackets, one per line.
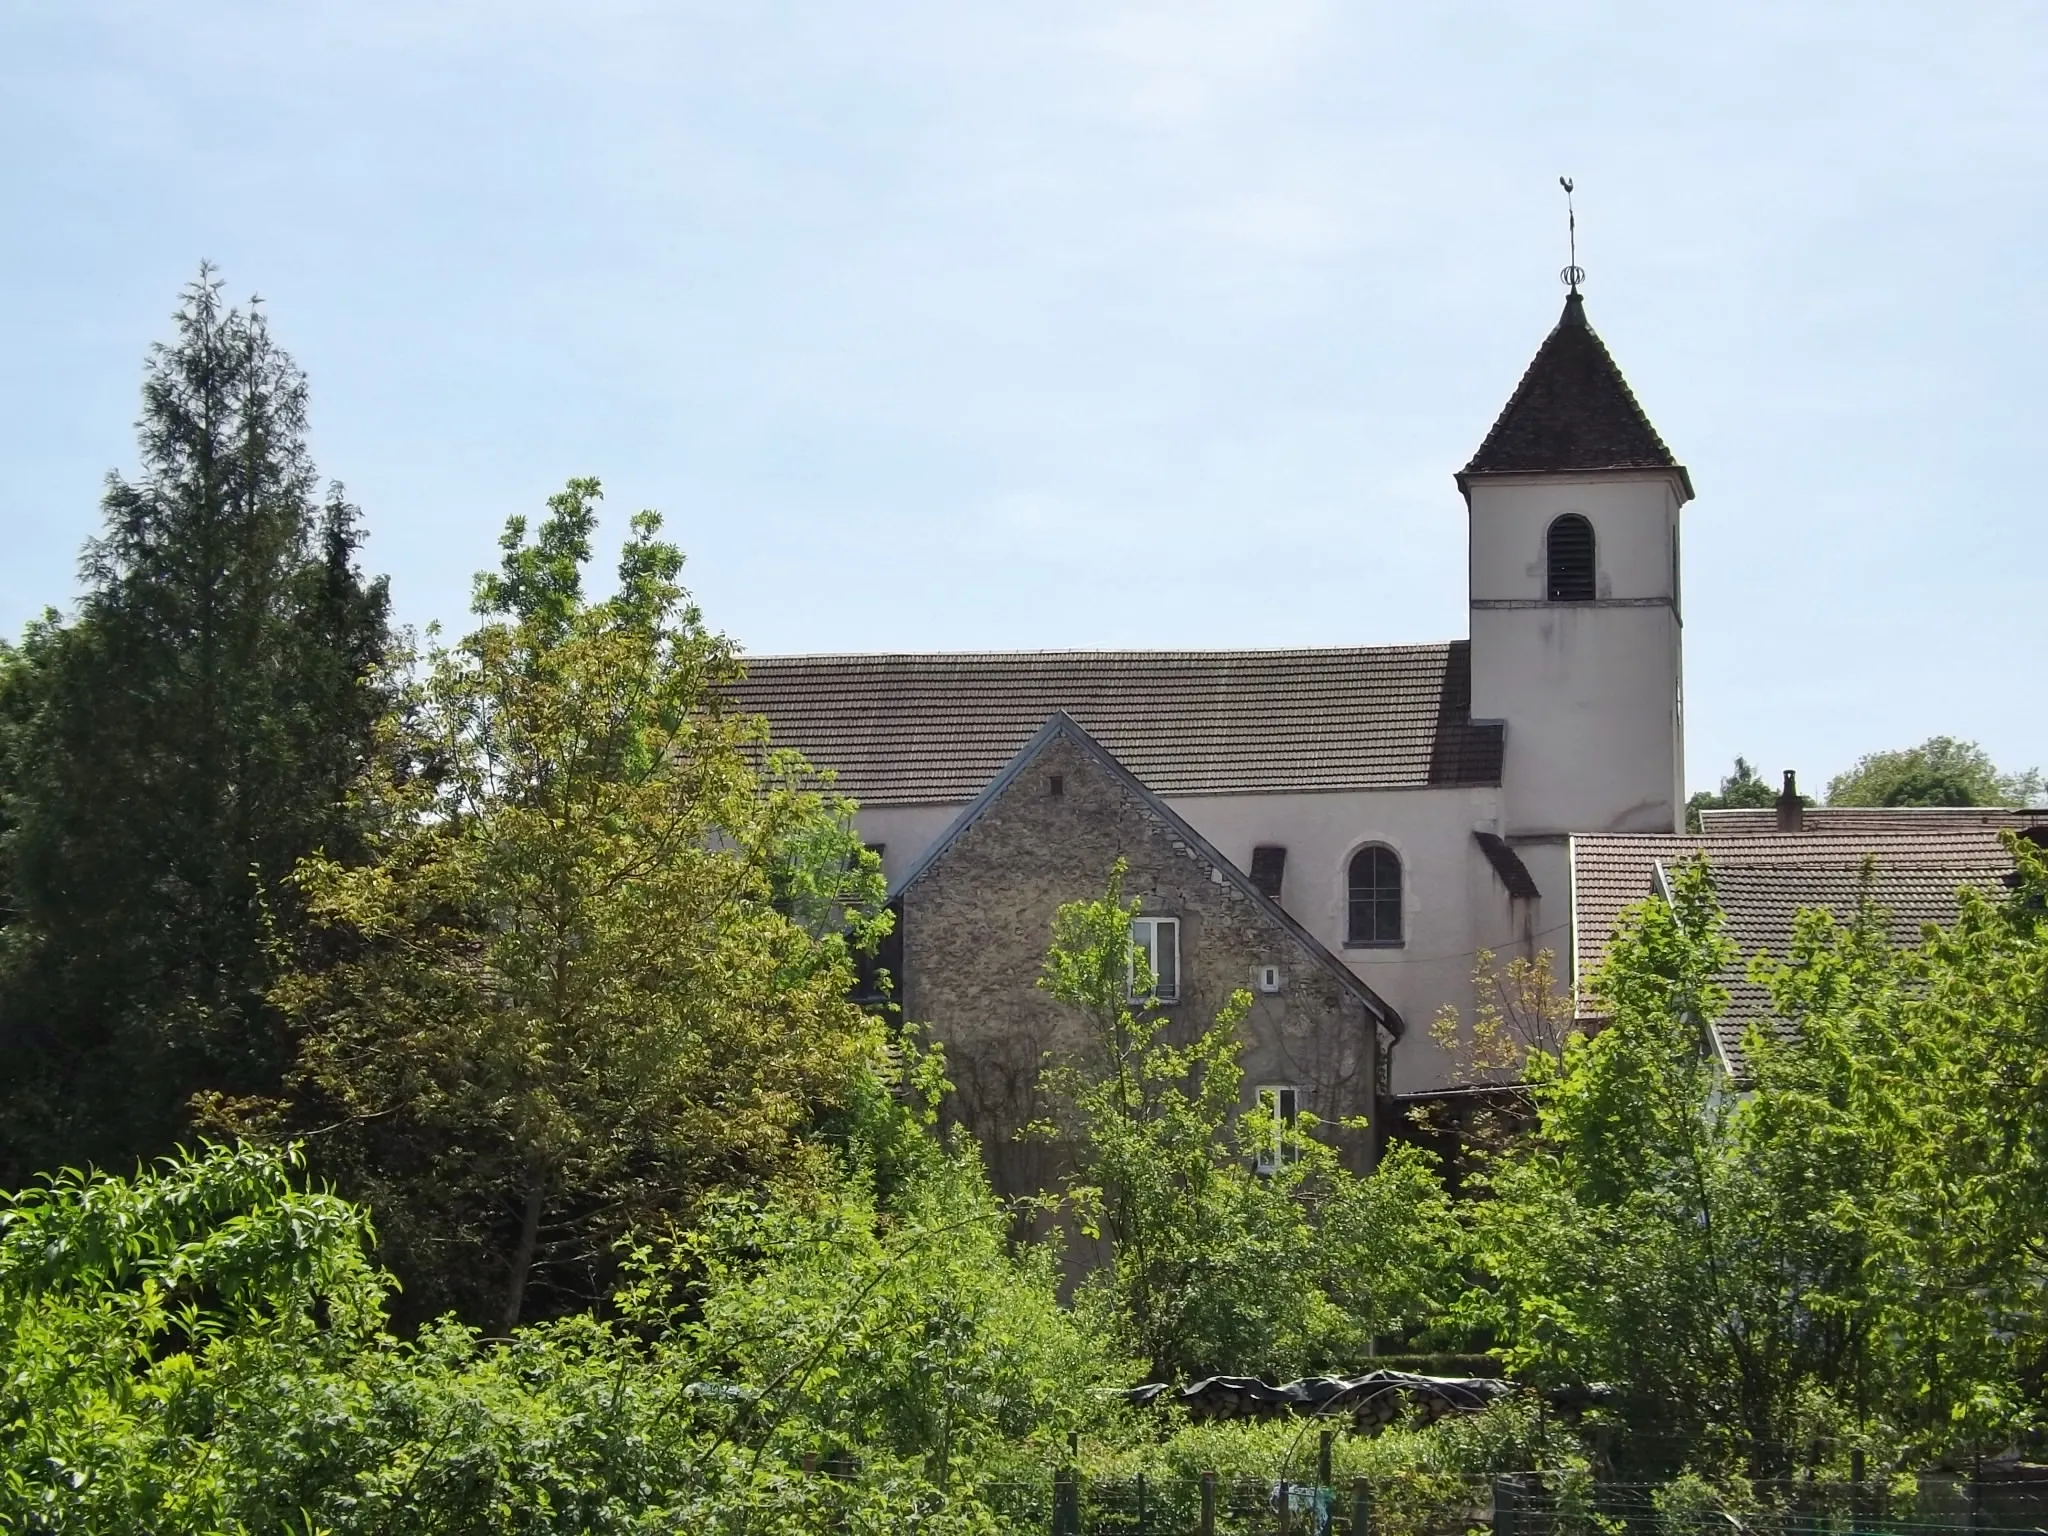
[1572, 411]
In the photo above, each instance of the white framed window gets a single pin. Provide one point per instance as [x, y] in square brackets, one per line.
[1156, 940]
[1280, 1103]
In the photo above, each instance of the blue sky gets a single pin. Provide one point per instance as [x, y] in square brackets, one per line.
[944, 325]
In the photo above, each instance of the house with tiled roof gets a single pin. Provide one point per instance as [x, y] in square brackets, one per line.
[979, 902]
[1768, 866]
[1405, 806]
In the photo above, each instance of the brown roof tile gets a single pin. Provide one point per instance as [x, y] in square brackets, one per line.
[1764, 880]
[1883, 821]
[936, 728]
[1572, 410]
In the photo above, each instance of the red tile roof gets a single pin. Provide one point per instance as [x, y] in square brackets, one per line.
[934, 729]
[1764, 881]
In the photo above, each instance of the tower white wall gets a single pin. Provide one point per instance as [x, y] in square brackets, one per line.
[1592, 692]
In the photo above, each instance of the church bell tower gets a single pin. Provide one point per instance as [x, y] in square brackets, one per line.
[1574, 508]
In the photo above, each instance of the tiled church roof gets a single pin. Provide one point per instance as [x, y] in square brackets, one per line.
[925, 729]
[1573, 410]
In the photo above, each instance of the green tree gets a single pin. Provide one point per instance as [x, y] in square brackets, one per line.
[1213, 1265]
[599, 964]
[1940, 771]
[1848, 1245]
[1743, 789]
[859, 1310]
[143, 1322]
[1597, 1243]
[1939, 1056]
[167, 757]
[202, 1350]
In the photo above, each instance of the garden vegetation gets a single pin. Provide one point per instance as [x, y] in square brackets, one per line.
[434, 1103]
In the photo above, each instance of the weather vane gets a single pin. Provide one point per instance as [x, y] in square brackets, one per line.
[1574, 274]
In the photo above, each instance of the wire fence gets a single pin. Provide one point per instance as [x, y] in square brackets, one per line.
[1520, 1504]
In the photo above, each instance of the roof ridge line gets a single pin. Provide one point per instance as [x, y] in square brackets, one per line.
[1256, 650]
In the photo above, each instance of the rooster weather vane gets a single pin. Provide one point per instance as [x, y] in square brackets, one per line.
[1574, 274]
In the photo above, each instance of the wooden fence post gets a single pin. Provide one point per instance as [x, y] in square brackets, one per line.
[1361, 1508]
[1208, 1527]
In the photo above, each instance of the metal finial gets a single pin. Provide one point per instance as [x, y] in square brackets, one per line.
[1574, 274]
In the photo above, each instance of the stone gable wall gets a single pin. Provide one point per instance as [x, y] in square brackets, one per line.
[977, 922]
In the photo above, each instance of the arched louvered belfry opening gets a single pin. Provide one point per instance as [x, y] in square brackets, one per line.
[1568, 558]
[1374, 889]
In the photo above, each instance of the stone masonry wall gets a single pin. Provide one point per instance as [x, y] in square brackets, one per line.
[976, 925]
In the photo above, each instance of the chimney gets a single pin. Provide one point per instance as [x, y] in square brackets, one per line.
[1791, 809]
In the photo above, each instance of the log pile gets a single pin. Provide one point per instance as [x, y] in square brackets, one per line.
[1371, 1402]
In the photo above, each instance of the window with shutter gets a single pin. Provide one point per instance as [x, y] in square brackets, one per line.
[1568, 551]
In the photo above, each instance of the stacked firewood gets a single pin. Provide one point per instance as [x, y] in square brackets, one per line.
[1371, 1402]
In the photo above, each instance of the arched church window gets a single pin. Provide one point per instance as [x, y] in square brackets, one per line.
[1569, 552]
[1375, 890]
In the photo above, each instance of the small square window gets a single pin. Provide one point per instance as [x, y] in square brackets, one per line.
[1057, 785]
[1281, 1104]
[1155, 941]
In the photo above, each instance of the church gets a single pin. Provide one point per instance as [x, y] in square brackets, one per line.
[1337, 830]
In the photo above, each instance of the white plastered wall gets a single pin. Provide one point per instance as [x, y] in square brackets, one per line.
[904, 832]
[1591, 692]
[1453, 904]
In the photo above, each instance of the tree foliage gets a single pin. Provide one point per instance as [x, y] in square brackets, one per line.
[1520, 1012]
[1196, 1238]
[861, 1321]
[1842, 1246]
[573, 989]
[1940, 771]
[1599, 1238]
[168, 756]
[202, 1349]
[145, 1328]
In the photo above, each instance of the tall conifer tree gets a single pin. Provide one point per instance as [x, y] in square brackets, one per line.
[172, 752]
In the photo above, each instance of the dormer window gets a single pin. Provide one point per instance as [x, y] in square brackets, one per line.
[1568, 552]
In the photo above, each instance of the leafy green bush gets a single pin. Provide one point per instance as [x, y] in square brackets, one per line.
[1165, 1171]
[203, 1349]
